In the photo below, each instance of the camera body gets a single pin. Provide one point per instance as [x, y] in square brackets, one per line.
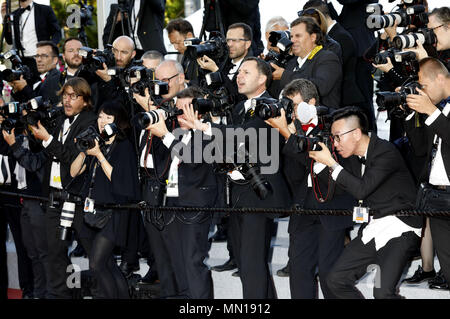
[391, 101]
[321, 133]
[215, 48]
[93, 59]
[267, 108]
[217, 99]
[281, 40]
[86, 139]
[18, 68]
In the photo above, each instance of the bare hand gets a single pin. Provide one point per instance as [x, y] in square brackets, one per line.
[420, 103]
[190, 118]
[9, 138]
[384, 67]
[103, 74]
[419, 51]
[3, 10]
[95, 151]
[323, 156]
[277, 73]
[207, 63]
[18, 85]
[158, 129]
[144, 101]
[280, 123]
[40, 132]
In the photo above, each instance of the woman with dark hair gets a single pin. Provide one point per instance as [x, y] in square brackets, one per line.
[107, 183]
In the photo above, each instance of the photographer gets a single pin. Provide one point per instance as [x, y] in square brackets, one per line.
[181, 254]
[250, 233]
[314, 63]
[72, 58]
[431, 138]
[239, 40]
[314, 241]
[171, 72]
[439, 23]
[48, 84]
[373, 171]
[59, 145]
[107, 184]
[31, 161]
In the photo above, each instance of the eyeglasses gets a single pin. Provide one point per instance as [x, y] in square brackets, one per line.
[73, 96]
[337, 137]
[231, 40]
[43, 56]
[436, 27]
[168, 79]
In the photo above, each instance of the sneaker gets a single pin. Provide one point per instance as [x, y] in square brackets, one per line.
[438, 282]
[420, 276]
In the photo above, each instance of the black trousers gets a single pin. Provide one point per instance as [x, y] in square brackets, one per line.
[312, 246]
[251, 235]
[440, 232]
[58, 260]
[356, 258]
[10, 215]
[180, 250]
[35, 240]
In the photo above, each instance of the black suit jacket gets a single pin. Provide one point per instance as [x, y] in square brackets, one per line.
[386, 186]
[150, 29]
[244, 195]
[46, 25]
[67, 152]
[422, 137]
[47, 89]
[297, 168]
[351, 94]
[324, 70]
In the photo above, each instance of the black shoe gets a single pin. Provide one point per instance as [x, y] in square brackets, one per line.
[236, 274]
[128, 269]
[150, 277]
[283, 272]
[438, 282]
[420, 276]
[228, 265]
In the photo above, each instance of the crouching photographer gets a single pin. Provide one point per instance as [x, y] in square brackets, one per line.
[431, 137]
[65, 204]
[314, 241]
[102, 150]
[179, 240]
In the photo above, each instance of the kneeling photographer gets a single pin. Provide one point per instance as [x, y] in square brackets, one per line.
[102, 150]
[314, 241]
[65, 205]
[179, 240]
[431, 138]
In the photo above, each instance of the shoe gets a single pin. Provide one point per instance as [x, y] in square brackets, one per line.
[219, 236]
[438, 282]
[128, 269]
[228, 265]
[283, 272]
[236, 274]
[150, 277]
[420, 276]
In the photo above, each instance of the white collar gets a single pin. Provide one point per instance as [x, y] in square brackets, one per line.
[331, 26]
[248, 102]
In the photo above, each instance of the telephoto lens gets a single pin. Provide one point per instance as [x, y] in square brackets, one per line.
[66, 220]
[145, 119]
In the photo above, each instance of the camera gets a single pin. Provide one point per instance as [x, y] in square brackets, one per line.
[86, 139]
[93, 59]
[18, 68]
[390, 101]
[382, 57]
[215, 48]
[412, 15]
[144, 119]
[281, 40]
[217, 99]
[423, 36]
[8, 125]
[267, 108]
[85, 13]
[39, 109]
[66, 220]
[320, 133]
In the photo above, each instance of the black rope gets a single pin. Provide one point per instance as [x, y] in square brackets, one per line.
[246, 210]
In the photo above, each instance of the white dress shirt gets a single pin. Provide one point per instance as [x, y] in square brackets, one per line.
[28, 36]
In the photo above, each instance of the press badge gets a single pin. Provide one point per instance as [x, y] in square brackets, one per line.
[360, 214]
[89, 205]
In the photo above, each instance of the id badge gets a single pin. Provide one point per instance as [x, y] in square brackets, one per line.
[89, 205]
[360, 214]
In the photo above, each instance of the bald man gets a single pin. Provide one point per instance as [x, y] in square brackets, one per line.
[172, 72]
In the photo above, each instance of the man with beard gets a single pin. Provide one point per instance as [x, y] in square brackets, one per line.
[72, 57]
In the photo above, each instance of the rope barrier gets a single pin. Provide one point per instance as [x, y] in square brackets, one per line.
[246, 210]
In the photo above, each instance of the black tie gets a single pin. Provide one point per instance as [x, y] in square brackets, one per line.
[4, 170]
[22, 10]
[362, 160]
[70, 118]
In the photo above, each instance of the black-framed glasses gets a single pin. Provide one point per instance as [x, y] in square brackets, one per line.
[436, 27]
[73, 96]
[168, 79]
[337, 137]
[43, 56]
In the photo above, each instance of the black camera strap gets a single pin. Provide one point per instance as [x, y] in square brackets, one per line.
[108, 152]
